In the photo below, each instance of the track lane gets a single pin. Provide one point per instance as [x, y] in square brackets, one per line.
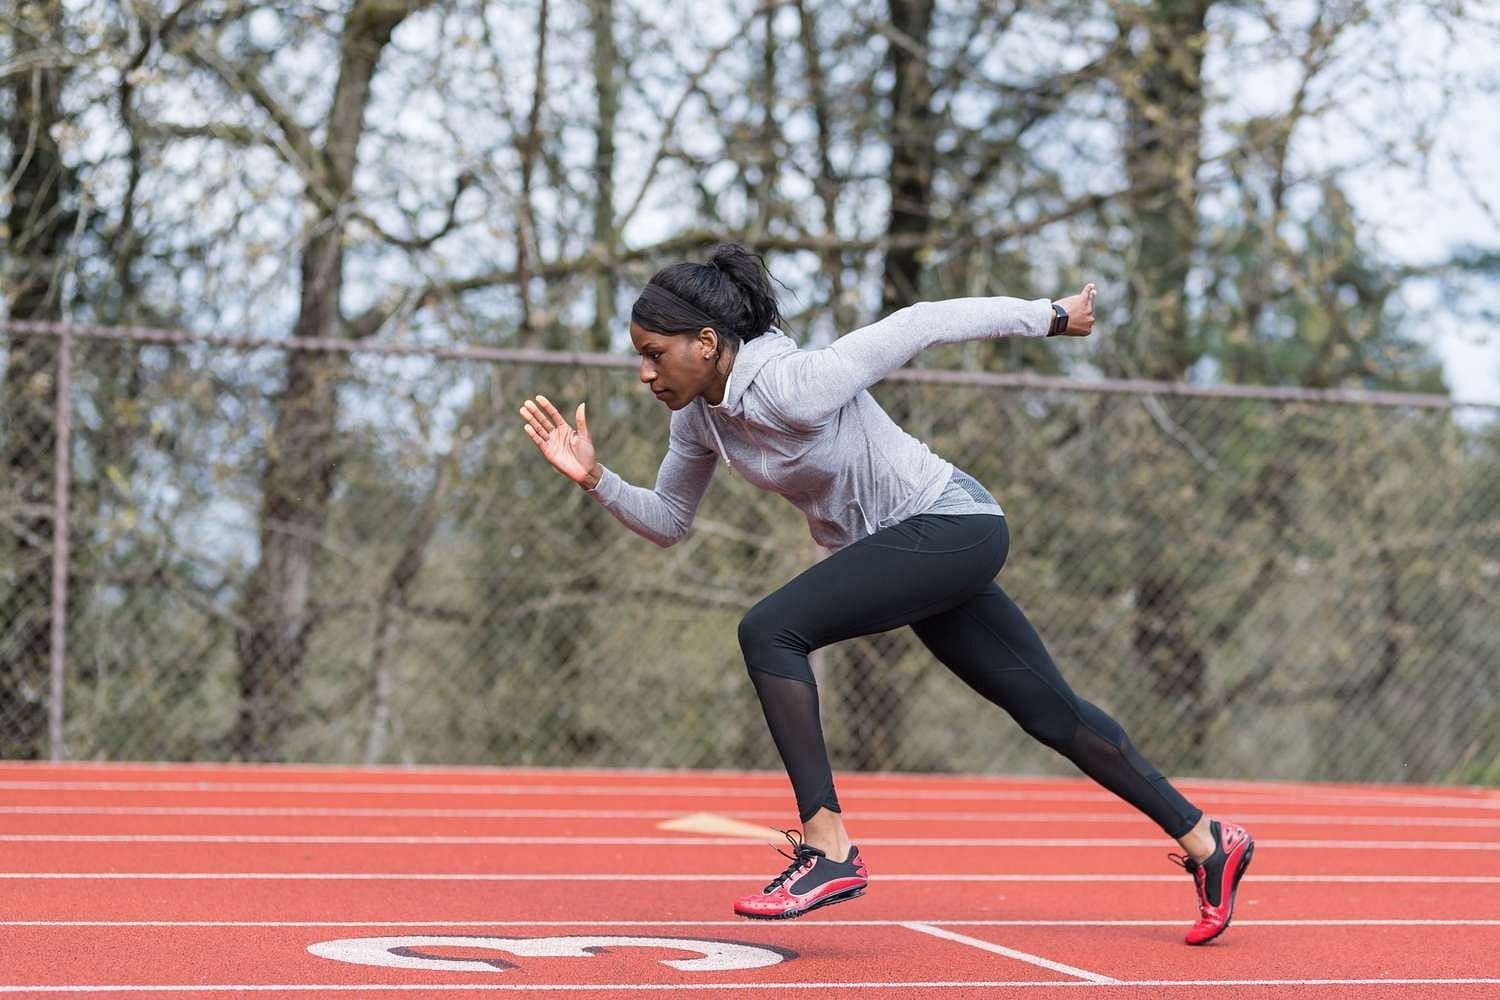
[761, 805]
[244, 821]
[750, 860]
[1164, 898]
[1355, 952]
[1125, 962]
[271, 774]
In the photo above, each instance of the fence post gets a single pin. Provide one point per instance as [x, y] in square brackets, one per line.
[61, 484]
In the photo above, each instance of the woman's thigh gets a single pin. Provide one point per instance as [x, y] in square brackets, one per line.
[897, 576]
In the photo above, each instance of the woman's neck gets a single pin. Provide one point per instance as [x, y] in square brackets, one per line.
[714, 394]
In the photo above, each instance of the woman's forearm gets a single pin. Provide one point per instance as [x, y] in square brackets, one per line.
[661, 515]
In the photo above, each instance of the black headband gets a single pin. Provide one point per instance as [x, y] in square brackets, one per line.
[656, 295]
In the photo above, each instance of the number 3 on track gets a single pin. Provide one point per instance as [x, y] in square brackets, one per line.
[410, 952]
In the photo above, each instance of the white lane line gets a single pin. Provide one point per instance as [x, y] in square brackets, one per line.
[374, 813]
[1279, 789]
[937, 816]
[673, 841]
[770, 986]
[780, 791]
[1020, 956]
[794, 925]
[750, 877]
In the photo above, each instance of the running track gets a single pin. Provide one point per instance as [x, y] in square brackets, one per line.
[168, 881]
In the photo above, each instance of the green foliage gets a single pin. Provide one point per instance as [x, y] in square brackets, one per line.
[1337, 562]
[1306, 302]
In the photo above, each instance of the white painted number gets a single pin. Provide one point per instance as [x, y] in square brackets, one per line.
[405, 952]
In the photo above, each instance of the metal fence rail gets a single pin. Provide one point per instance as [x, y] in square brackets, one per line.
[358, 556]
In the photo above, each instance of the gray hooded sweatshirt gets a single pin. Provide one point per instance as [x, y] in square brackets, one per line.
[803, 424]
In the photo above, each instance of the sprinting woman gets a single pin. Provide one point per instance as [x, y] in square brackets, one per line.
[915, 542]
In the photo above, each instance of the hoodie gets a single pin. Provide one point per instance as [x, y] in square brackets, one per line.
[802, 423]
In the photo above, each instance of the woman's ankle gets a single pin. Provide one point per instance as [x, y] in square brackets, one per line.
[825, 831]
[1199, 841]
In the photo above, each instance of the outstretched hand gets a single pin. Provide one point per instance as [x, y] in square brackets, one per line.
[569, 451]
[1080, 309]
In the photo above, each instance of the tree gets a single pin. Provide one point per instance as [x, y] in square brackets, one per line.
[303, 455]
[39, 225]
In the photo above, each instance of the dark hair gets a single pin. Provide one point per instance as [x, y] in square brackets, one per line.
[731, 293]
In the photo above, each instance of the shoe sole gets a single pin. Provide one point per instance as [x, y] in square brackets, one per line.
[837, 897]
[1234, 891]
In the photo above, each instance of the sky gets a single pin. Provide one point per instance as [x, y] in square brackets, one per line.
[1448, 202]
[1424, 224]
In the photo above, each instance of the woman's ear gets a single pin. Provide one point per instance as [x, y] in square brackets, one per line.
[708, 341]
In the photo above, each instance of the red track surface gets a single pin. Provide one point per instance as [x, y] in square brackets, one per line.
[139, 880]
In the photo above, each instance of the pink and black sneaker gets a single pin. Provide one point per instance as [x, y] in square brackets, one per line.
[813, 879]
[1217, 879]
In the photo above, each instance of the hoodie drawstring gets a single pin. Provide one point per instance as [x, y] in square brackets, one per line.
[723, 452]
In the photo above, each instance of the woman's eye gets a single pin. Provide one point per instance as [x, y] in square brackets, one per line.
[654, 355]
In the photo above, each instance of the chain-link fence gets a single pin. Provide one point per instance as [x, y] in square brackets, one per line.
[347, 555]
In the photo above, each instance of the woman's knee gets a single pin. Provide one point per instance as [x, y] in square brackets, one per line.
[764, 631]
[757, 629]
[770, 646]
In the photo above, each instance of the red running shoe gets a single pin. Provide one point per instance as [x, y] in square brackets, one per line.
[1217, 879]
[813, 879]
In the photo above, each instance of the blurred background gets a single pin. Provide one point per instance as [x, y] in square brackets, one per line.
[276, 277]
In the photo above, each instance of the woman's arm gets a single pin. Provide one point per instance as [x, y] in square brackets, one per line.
[811, 386]
[662, 515]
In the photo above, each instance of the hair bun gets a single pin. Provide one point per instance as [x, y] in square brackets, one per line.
[748, 273]
[727, 255]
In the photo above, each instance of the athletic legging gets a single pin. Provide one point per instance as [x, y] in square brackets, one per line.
[936, 573]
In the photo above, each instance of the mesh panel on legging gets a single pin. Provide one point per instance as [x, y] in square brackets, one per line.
[992, 647]
[791, 708]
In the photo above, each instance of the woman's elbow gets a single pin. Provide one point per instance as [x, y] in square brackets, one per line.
[674, 533]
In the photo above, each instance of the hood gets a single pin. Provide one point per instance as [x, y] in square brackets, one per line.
[753, 356]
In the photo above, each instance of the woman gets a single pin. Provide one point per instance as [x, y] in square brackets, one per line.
[915, 542]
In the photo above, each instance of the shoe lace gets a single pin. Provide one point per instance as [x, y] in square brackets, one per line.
[1194, 869]
[800, 853]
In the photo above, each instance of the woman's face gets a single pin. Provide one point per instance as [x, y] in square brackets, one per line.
[674, 366]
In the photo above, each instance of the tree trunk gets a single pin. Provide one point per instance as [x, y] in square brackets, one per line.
[607, 87]
[763, 196]
[278, 611]
[1164, 91]
[38, 225]
[1162, 154]
[826, 182]
[530, 147]
[911, 149]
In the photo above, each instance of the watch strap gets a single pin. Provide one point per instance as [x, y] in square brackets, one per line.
[1059, 320]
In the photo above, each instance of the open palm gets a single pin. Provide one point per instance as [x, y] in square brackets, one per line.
[569, 451]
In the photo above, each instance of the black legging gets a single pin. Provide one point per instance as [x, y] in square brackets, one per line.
[936, 573]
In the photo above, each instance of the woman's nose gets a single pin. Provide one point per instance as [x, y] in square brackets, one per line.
[647, 372]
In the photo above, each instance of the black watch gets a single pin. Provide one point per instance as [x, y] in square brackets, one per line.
[1059, 320]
